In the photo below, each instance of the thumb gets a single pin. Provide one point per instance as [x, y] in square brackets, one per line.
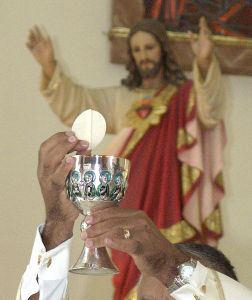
[60, 174]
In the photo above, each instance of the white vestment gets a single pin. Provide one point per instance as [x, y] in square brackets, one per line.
[47, 273]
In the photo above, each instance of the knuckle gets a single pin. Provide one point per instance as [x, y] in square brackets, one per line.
[43, 147]
[118, 233]
[141, 214]
[42, 174]
[93, 231]
[109, 225]
[137, 248]
[97, 217]
[96, 242]
[59, 134]
[141, 219]
[56, 185]
[45, 170]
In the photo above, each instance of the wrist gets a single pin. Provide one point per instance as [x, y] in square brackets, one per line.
[55, 232]
[170, 270]
[205, 62]
[49, 68]
[185, 273]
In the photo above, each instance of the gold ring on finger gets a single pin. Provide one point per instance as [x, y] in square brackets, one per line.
[126, 233]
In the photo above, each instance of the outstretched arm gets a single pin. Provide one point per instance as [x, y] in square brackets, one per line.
[132, 231]
[49, 261]
[41, 48]
[202, 47]
[67, 98]
[207, 78]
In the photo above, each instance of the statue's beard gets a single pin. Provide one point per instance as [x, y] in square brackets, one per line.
[150, 72]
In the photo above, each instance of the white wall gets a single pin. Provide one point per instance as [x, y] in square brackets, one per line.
[77, 28]
[237, 206]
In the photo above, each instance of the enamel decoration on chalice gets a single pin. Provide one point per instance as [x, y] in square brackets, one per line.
[94, 180]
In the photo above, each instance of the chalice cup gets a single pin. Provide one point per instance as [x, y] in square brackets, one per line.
[94, 180]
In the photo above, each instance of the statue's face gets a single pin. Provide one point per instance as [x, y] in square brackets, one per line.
[88, 178]
[104, 179]
[147, 54]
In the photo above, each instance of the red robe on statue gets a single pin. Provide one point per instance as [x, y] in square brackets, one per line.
[160, 182]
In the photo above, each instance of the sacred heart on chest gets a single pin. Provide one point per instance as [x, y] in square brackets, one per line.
[144, 111]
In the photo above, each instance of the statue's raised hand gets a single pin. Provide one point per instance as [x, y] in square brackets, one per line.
[41, 48]
[203, 46]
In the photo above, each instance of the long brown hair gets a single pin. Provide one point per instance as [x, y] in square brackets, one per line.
[172, 72]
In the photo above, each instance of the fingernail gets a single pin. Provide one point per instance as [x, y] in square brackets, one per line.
[69, 133]
[69, 159]
[84, 144]
[88, 219]
[89, 243]
[72, 139]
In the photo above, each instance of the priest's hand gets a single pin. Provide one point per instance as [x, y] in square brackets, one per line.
[133, 232]
[203, 46]
[53, 168]
[41, 48]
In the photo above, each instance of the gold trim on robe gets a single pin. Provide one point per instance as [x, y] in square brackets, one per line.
[179, 232]
[184, 138]
[191, 102]
[189, 175]
[132, 295]
[219, 180]
[158, 107]
[213, 222]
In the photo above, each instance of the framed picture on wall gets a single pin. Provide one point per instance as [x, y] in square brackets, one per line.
[229, 20]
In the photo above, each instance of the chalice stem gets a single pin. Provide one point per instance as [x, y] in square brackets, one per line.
[84, 225]
[93, 261]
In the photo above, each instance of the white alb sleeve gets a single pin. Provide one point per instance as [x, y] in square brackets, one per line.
[196, 286]
[46, 272]
[208, 284]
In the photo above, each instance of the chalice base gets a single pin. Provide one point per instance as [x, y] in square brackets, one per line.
[94, 262]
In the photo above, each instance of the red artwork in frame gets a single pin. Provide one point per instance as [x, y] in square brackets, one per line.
[229, 20]
[225, 17]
